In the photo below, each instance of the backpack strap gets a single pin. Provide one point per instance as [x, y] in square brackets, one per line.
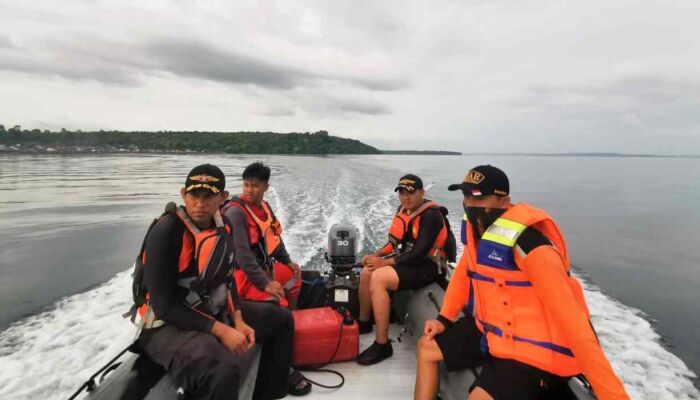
[138, 286]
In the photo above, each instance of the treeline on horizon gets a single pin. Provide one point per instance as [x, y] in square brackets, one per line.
[179, 141]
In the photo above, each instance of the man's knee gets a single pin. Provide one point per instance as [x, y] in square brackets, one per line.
[204, 367]
[479, 394]
[384, 279]
[282, 318]
[365, 276]
[428, 350]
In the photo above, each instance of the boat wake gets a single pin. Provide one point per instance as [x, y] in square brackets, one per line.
[50, 354]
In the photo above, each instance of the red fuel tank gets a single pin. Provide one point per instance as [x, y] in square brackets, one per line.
[316, 335]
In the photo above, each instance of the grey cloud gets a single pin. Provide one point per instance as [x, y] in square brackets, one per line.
[79, 69]
[201, 61]
[128, 63]
[6, 42]
[321, 104]
[641, 112]
[637, 90]
[277, 111]
[386, 85]
[362, 108]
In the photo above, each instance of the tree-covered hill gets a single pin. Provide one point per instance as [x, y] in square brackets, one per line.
[209, 142]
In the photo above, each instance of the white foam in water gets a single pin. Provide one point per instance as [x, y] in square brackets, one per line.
[49, 355]
[648, 370]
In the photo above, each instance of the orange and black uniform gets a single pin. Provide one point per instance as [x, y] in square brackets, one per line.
[417, 241]
[516, 279]
[261, 255]
[184, 345]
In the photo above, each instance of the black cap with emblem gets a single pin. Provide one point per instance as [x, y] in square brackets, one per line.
[409, 182]
[205, 176]
[483, 180]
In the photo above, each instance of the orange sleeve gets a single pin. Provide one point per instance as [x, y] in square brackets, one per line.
[545, 269]
[387, 249]
[457, 293]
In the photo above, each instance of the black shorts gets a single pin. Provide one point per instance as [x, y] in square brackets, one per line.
[460, 345]
[416, 276]
[507, 379]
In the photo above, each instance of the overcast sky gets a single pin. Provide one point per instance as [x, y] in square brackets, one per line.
[472, 76]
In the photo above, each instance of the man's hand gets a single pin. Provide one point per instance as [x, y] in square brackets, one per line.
[248, 332]
[275, 289]
[433, 327]
[374, 262]
[232, 339]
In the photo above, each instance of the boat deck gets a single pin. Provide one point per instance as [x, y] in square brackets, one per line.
[393, 378]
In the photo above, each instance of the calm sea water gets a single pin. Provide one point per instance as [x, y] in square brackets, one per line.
[71, 223]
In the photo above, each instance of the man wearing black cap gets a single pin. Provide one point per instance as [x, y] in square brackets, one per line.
[514, 278]
[192, 323]
[420, 243]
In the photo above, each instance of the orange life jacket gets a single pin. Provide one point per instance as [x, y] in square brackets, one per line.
[264, 235]
[402, 241]
[507, 308]
[205, 269]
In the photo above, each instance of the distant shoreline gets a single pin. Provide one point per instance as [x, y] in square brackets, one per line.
[16, 140]
[577, 154]
[421, 152]
[4, 149]
[187, 142]
[71, 150]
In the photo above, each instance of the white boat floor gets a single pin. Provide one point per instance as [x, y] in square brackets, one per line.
[392, 378]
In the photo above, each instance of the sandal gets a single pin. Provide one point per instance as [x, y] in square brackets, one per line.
[298, 385]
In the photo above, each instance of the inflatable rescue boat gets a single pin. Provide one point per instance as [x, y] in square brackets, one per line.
[134, 376]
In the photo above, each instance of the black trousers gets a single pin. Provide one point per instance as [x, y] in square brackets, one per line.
[202, 366]
[274, 330]
[196, 361]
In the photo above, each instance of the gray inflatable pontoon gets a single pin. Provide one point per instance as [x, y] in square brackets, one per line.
[134, 376]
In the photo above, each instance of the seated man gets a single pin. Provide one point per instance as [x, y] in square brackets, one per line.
[420, 244]
[266, 272]
[266, 277]
[531, 310]
[459, 346]
[192, 323]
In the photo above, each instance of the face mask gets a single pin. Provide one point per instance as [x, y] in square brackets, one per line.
[481, 218]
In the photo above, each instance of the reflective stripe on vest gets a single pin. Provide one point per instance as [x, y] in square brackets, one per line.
[508, 310]
[496, 245]
[479, 277]
[551, 346]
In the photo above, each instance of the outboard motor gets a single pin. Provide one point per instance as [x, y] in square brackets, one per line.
[343, 280]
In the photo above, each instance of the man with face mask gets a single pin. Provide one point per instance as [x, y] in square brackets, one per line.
[515, 273]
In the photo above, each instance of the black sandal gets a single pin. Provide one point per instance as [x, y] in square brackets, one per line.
[298, 385]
